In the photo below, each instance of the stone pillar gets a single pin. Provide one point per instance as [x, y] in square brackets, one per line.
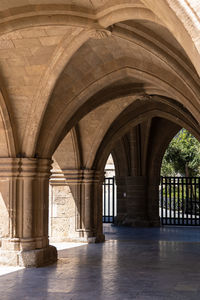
[121, 200]
[136, 187]
[24, 190]
[91, 206]
[92, 219]
[77, 219]
[153, 202]
[9, 168]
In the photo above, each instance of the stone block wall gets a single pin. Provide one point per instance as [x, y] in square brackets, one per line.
[62, 212]
[4, 203]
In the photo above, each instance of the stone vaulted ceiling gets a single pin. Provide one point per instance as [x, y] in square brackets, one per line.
[70, 69]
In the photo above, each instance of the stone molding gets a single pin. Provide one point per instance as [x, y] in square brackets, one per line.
[76, 177]
[25, 167]
[99, 33]
[9, 167]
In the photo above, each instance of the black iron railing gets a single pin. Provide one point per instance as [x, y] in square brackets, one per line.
[180, 200]
[109, 203]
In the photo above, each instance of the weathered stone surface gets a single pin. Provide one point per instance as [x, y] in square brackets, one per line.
[30, 258]
[37, 257]
[81, 80]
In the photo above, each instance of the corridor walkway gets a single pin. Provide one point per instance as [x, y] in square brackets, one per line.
[132, 264]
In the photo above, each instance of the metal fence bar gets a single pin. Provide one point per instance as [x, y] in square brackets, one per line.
[166, 207]
[180, 201]
[199, 197]
[183, 203]
[108, 200]
[195, 201]
[174, 199]
[104, 202]
[113, 198]
[187, 197]
[170, 202]
[162, 200]
[190, 211]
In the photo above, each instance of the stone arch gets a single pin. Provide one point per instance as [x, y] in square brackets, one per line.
[8, 142]
[68, 154]
[46, 88]
[86, 107]
[115, 11]
[180, 14]
[62, 56]
[173, 119]
[155, 163]
[137, 113]
[63, 204]
[8, 150]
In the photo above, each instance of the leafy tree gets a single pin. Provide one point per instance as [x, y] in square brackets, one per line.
[182, 156]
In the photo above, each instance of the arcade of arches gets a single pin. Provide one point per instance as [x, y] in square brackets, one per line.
[80, 80]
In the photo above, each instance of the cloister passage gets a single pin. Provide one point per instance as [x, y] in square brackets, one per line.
[179, 195]
[80, 80]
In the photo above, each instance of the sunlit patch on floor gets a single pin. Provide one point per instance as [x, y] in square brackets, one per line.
[62, 246]
[6, 270]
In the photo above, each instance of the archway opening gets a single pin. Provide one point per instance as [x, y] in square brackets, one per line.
[109, 199]
[180, 181]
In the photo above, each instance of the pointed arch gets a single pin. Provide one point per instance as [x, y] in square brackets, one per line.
[8, 143]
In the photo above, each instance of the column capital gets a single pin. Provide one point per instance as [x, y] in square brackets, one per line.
[75, 176]
[92, 176]
[70, 176]
[35, 167]
[9, 166]
[24, 167]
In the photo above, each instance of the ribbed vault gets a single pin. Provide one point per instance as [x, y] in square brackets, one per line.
[103, 70]
[52, 46]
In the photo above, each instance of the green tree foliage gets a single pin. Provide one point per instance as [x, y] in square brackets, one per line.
[182, 156]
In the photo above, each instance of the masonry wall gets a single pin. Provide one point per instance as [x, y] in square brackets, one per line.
[62, 213]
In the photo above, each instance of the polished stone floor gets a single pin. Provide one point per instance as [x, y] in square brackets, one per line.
[132, 264]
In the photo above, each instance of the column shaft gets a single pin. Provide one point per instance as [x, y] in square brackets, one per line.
[26, 199]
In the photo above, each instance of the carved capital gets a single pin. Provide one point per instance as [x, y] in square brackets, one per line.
[146, 97]
[76, 176]
[9, 167]
[25, 167]
[99, 34]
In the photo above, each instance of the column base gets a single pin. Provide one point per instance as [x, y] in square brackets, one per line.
[155, 223]
[120, 219]
[100, 238]
[133, 222]
[136, 222]
[28, 258]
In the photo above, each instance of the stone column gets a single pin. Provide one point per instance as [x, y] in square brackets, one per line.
[153, 202]
[24, 188]
[137, 215]
[91, 206]
[9, 169]
[121, 200]
[100, 237]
